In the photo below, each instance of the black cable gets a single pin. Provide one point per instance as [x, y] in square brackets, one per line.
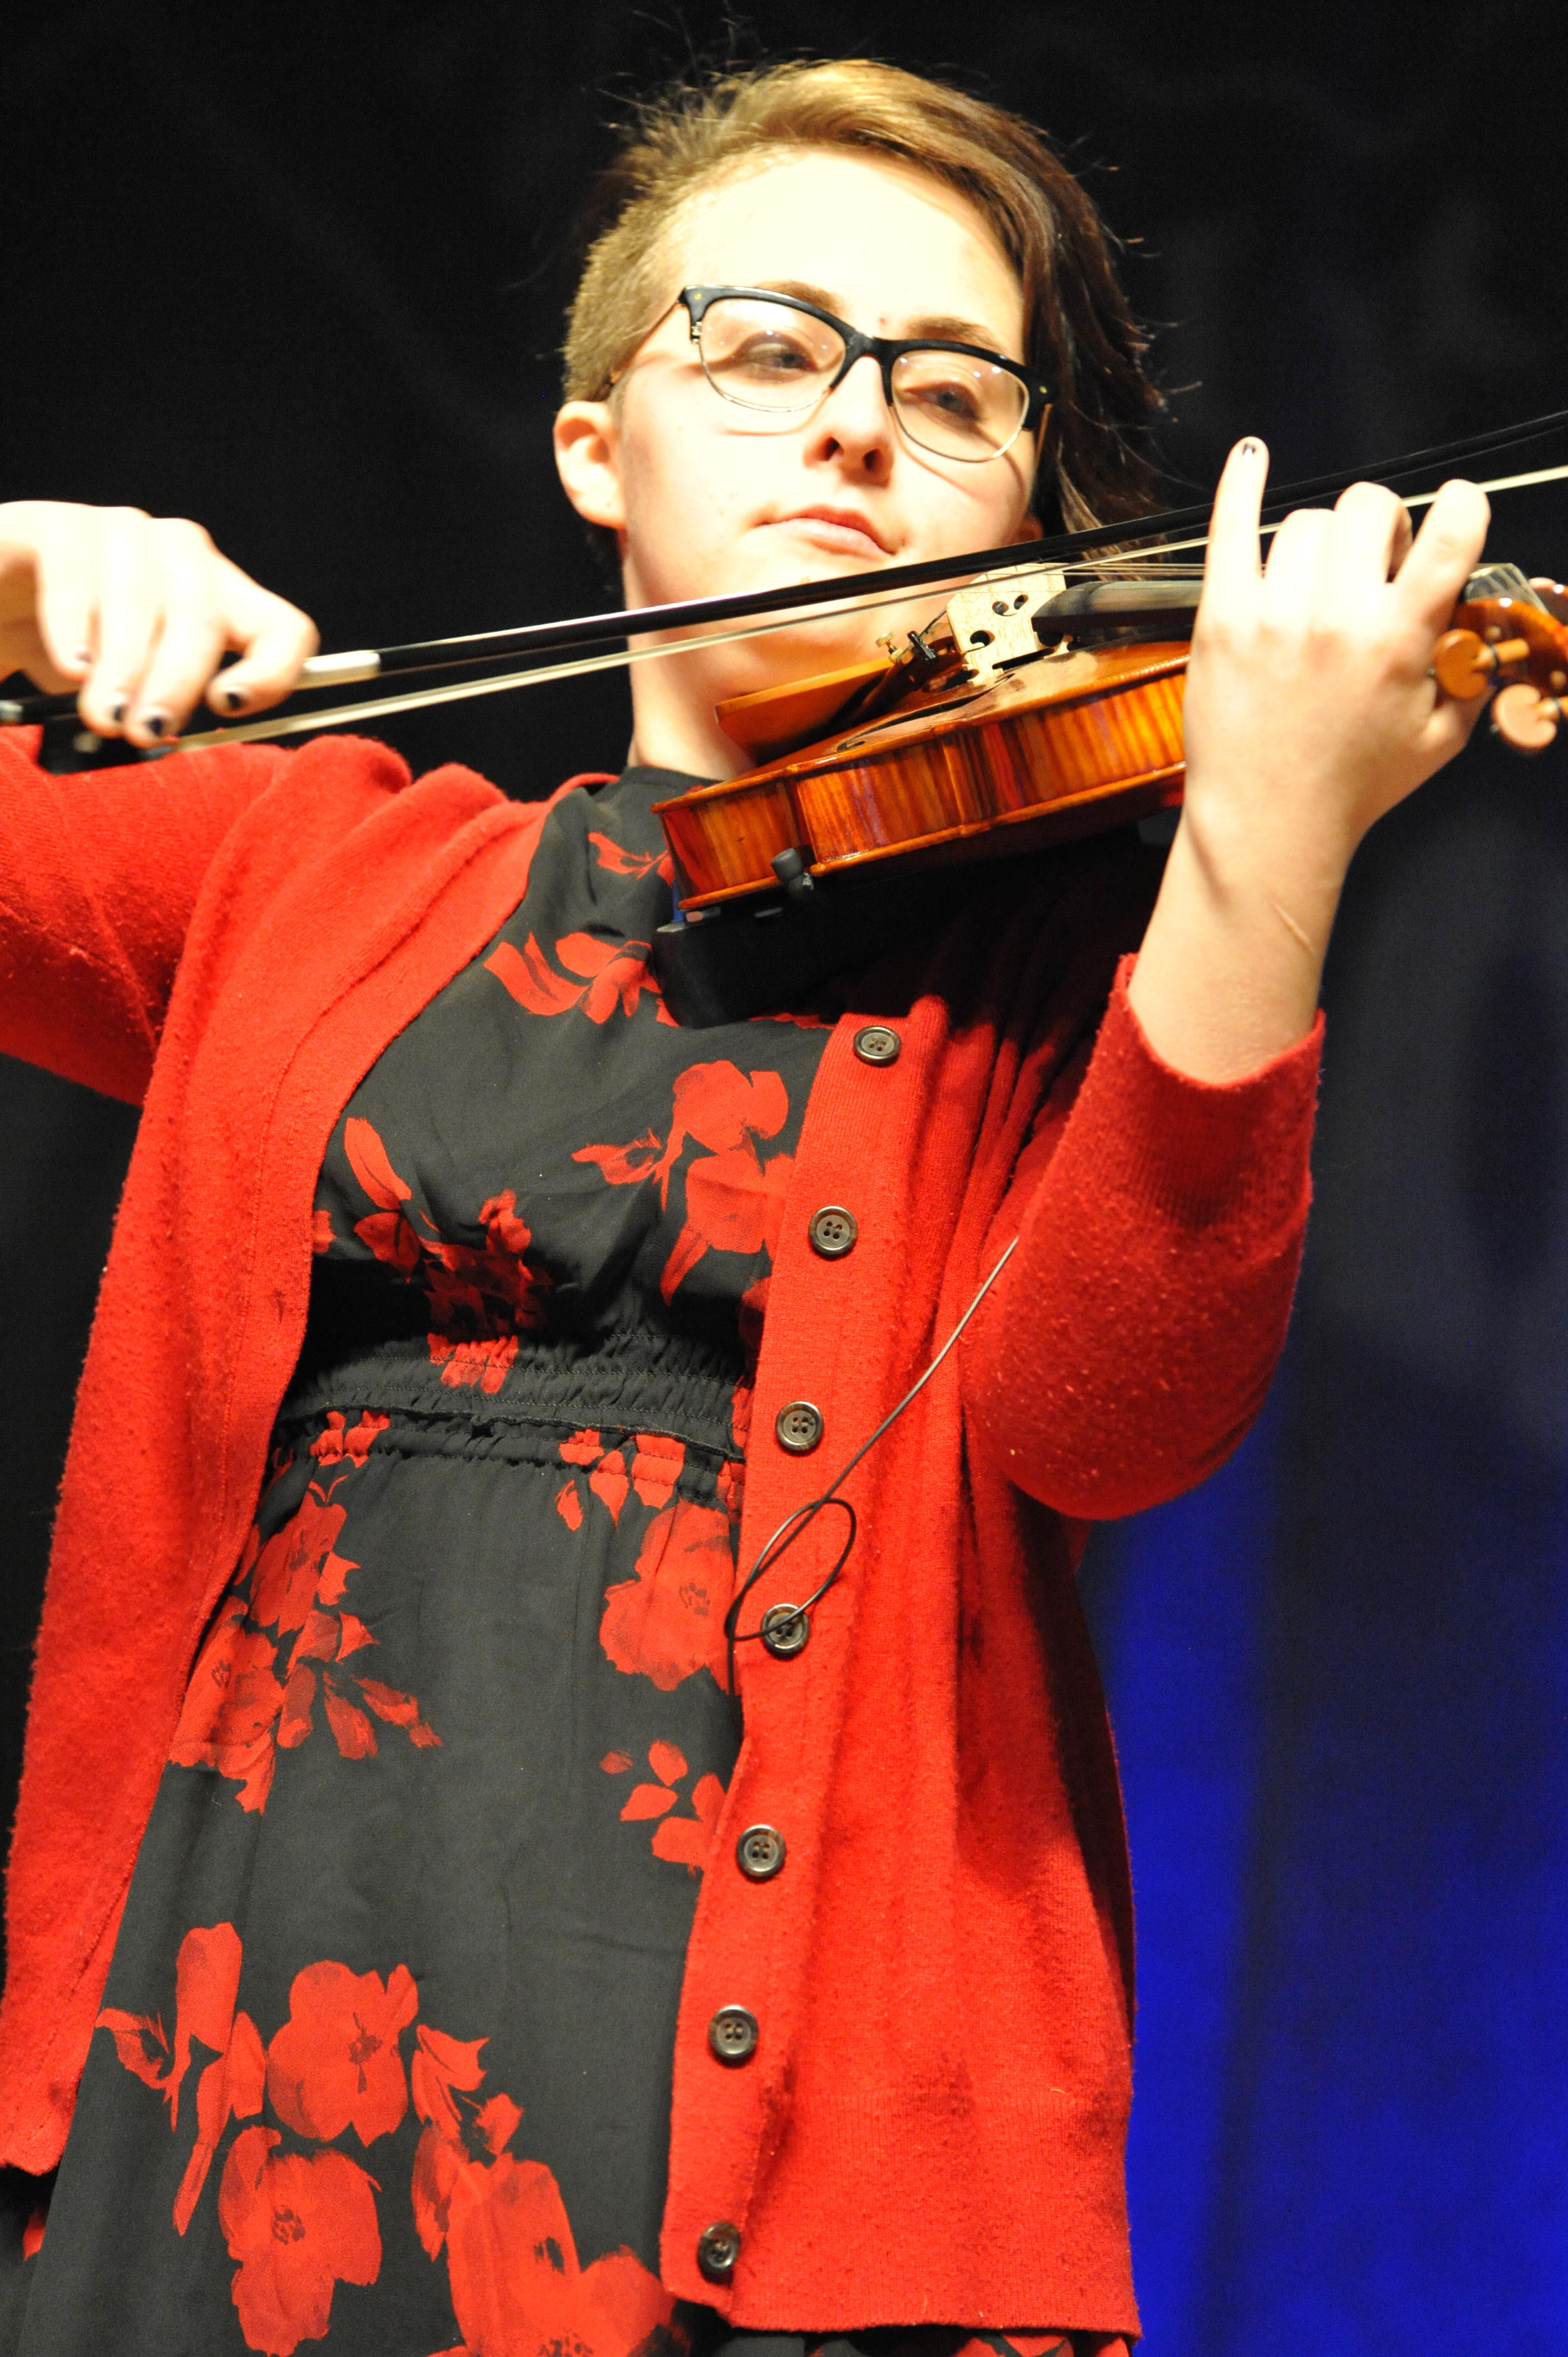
[789, 1529]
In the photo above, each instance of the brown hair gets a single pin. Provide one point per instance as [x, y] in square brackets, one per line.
[1080, 337]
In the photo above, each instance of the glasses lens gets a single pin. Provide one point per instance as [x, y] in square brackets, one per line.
[766, 356]
[957, 407]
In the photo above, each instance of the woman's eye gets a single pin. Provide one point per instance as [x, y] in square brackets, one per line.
[950, 396]
[771, 355]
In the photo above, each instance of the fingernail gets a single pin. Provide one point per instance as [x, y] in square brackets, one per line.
[1249, 448]
[117, 711]
[234, 698]
[85, 657]
[155, 723]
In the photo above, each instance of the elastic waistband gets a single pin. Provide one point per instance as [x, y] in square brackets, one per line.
[509, 1397]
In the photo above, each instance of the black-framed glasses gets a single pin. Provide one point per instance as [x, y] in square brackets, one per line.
[776, 352]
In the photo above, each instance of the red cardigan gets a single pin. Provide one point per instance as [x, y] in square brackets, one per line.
[932, 2125]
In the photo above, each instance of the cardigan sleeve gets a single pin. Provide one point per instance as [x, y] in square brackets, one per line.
[99, 875]
[1129, 1342]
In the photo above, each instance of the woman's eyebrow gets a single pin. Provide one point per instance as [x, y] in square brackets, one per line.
[940, 326]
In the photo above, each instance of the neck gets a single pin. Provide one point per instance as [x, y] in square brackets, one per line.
[673, 715]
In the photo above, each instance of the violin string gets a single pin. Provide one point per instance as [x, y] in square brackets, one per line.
[621, 659]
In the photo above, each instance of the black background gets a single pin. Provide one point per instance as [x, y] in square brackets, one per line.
[299, 273]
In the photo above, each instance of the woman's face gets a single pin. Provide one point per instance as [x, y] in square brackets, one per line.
[709, 498]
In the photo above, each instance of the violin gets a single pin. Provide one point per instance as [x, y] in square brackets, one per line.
[1042, 703]
[1028, 714]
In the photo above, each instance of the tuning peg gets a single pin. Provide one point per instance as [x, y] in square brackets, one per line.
[1462, 662]
[1554, 594]
[1524, 718]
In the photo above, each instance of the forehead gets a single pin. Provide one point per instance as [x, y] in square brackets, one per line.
[892, 245]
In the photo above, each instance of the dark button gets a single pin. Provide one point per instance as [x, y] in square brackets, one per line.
[759, 1853]
[733, 2034]
[718, 2247]
[798, 1426]
[784, 1628]
[875, 1044]
[832, 1231]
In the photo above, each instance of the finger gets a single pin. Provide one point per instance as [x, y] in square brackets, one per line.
[185, 653]
[1294, 559]
[65, 594]
[130, 617]
[1232, 570]
[1444, 554]
[1368, 538]
[275, 641]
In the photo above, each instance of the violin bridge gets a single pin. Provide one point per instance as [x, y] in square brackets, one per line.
[992, 620]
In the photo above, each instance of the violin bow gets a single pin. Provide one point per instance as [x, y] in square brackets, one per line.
[1152, 535]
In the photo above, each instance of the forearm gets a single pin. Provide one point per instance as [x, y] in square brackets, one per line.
[1231, 966]
[1133, 1337]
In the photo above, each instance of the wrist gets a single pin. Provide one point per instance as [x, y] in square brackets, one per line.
[1254, 863]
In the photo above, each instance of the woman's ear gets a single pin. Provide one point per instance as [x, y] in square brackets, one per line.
[587, 458]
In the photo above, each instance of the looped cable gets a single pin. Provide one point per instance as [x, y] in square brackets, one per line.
[790, 1528]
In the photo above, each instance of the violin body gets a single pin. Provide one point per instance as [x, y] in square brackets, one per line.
[1070, 743]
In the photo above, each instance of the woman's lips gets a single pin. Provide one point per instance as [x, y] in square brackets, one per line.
[845, 534]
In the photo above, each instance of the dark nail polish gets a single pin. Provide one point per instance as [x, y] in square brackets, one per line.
[117, 711]
[85, 657]
[234, 698]
[155, 723]
[1249, 448]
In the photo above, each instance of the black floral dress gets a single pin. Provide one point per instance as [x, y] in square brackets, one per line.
[385, 2054]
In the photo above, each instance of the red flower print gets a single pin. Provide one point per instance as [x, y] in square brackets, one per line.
[686, 1841]
[321, 1236]
[517, 2286]
[251, 1693]
[646, 1801]
[667, 1623]
[398, 1710]
[33, 2233]
[656, 1465]
[300, 2225]
[465, 1364]
[232, 1709]
[569, 1506]
[482, 1297]
[607, 977]
[296, 1567]
[207, 1982]
[335, 2062]
[683, 1840]
[624, 1165]
[734, 1199]
[476, 1294]
[608, 1483]
[387, 1231]
[369, 1161]
[441, 2067]
[342, 1439]
[616, 861]
[518, 2289]
[351, 1730]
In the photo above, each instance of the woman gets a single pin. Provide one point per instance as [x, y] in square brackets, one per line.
[452, 1963]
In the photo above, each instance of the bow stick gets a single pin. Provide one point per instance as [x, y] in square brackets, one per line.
[892, 585]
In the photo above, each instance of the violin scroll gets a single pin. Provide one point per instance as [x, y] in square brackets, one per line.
[1511, 634]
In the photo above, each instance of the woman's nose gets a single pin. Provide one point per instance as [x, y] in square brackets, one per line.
[854, 420]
